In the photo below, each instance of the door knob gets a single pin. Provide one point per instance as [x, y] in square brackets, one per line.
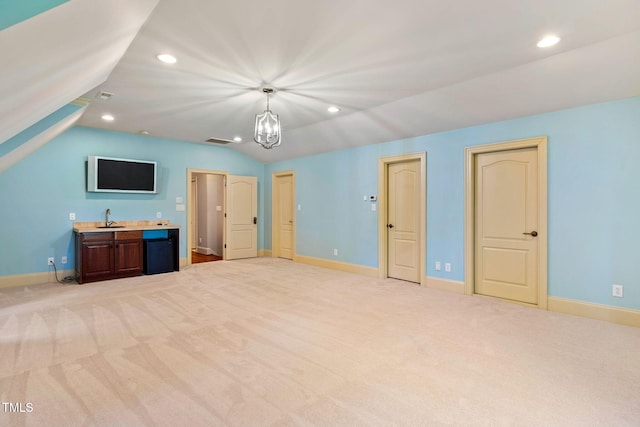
[389, 225]
[533, 233]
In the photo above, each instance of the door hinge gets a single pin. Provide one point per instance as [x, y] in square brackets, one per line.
[225, 246]
[225, 214]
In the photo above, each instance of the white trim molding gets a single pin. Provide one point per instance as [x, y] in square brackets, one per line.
[337, 265]
[34, 278]
[453, 286]
[383, 176]
[623, 316]
[470, 153]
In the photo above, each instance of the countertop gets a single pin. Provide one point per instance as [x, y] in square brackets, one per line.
[92, 227]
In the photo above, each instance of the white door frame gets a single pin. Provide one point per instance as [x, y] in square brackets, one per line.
[470, 153]
[275, 208]
[383, 186]
[191, 205]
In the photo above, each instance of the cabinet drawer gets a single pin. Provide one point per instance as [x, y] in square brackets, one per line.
[128, 235]
[96, 237]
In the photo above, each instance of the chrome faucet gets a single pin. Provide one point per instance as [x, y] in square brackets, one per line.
[108, 223]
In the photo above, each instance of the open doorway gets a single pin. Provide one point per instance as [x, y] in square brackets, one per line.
[206, 216]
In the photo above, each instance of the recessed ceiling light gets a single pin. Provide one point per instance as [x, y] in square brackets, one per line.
[333, 109]
[144, 132]
[108, 117]
[166, 58]
[548, 41]
[237, 139]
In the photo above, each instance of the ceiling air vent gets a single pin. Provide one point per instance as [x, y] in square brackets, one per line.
[104, 95]
[219, 141]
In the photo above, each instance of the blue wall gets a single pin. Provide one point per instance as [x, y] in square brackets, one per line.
[39, 192]
[594, 200]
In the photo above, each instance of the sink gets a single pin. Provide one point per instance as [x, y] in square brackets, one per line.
[110, 226]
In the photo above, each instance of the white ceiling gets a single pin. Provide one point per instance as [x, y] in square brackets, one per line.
[397, 69]
[53, 58]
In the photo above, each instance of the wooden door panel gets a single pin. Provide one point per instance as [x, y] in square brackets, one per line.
[241, 222]
[285, 216]
[403, 214]
[128, 256]
[506, 208]
[97, 260]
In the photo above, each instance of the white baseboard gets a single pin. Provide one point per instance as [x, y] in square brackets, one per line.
[264, 252]
[337, 265]
[608, 313]
[183, 262]
[33, 278]
[445, 285]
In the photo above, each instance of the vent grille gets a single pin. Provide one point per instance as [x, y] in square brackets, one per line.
[219, 141]
[104, 95]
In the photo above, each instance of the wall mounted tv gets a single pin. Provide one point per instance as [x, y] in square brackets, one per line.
[111, 175]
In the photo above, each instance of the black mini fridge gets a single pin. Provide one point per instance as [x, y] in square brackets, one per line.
[158, 256]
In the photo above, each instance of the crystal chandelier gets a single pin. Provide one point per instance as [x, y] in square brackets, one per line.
[267, 130]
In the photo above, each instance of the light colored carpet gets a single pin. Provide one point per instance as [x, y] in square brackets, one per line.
[269, 342]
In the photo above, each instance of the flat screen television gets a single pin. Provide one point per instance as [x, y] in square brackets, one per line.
[112, 175]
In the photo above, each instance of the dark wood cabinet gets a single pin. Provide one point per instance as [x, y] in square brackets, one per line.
[108, 255]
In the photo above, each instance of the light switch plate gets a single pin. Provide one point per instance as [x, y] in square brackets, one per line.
[180, 208]
[179, 200]
[374, 207]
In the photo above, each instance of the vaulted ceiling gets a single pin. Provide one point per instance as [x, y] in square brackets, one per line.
[396, 69]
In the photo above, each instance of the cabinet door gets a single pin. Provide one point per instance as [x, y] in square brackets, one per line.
[128, 257]
[97, 260]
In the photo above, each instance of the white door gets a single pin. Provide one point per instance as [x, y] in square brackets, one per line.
[506, 194]
[241, 217]
[285, 213]
[193, 224]
[403, 220]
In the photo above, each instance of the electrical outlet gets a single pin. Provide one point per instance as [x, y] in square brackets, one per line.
[335, 252]
[64, 260]
[438, 266]
[158, 215]
[447, 267]
[617, 291]
[50, 261]
[72, 216]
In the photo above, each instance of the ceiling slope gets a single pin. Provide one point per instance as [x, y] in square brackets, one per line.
[595, 73]
[55, 57]
[397, 69]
